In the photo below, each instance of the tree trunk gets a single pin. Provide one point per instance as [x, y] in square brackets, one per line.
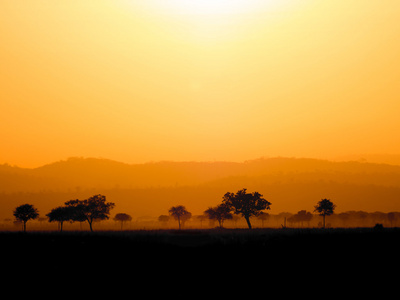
[179, 223]
[90, 225]
[323, 224]
[61, 224]
[248, 221]
[24, 226]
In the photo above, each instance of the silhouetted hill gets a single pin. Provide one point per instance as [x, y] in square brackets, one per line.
[291, 184]
[83, 173]
[390, 159]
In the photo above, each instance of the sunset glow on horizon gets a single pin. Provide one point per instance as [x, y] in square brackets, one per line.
[189, 80]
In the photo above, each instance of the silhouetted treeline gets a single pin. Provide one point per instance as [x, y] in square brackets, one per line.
[290, 197]
[348, 219]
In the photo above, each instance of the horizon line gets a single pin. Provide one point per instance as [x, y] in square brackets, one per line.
[342, 158]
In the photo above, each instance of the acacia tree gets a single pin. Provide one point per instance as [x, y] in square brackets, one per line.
[220, 213]
[324, 208]
[246, 204]
[25, 212]
[180, 214]
[122, 218]
[94, 208]
[60, 214]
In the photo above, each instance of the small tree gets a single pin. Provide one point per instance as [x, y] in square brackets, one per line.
[220, 213]
[122, 218]
[60, 214]
[180, 214]
[94, 208]
[324, 208]
[246, 204]
[263, 216]
[25, 212]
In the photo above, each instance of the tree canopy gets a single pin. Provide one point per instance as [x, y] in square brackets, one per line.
[246, 204]
[60, 214]
[25, 212]
[94, 208]
[325, 208]
[220, 213]
[180, 214]
[122, 217]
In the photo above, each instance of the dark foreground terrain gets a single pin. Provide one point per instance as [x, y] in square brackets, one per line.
[159, 245]
[198, 258]
[232, 261]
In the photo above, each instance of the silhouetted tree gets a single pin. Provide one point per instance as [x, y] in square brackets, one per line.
[246, 204]
[60, 214]
[25, 212]
[325, 208]
[122, 218]
[180, 214]
[220, 213]
[94, 208]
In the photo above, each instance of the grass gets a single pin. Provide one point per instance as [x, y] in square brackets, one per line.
[228, 239]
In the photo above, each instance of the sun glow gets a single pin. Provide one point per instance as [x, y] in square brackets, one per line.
[216, 7]
[211, 7]
[211, 20]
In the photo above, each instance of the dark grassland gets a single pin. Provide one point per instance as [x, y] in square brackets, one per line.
[243, 255]
[234, 260]
[261, 244]
[192, 257]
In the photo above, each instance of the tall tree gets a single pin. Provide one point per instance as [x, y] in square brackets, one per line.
[246, 204]
[324, 208]
[94, 208]
[25, 212]
[180, 214]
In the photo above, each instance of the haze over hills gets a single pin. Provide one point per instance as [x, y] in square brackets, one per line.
[291, 184]
[390, 159]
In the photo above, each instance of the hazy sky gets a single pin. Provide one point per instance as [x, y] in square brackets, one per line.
[143, 80]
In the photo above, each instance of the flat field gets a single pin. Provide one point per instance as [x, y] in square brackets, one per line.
[193, 256]
[269, 242]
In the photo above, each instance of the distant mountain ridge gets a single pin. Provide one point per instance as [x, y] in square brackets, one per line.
[104, 173]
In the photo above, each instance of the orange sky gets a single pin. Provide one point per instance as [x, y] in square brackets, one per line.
[137, 81]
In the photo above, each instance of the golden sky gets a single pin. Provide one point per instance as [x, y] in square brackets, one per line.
[149, 80]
